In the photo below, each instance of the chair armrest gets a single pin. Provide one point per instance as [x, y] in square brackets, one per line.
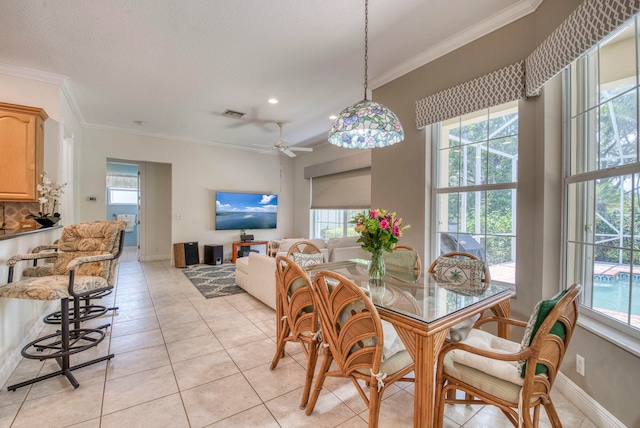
[31, 256]
[525, 354]
[40, 248]
[73, 264]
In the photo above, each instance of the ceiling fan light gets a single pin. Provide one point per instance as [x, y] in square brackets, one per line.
[366, 125]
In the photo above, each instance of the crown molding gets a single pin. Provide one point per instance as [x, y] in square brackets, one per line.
[73, 102]
[499, 20]
[169, 137]
[29, 73]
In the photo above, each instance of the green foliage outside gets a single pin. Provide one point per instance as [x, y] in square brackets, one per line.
[615, 196]
[481, 153]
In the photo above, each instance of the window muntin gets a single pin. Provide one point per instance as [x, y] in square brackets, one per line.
[602, 196]
[475, 176]
[328, 223]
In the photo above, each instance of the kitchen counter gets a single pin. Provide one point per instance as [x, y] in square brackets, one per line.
[16, 233]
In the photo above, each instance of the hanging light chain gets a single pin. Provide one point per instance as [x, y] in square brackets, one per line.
[366, 45]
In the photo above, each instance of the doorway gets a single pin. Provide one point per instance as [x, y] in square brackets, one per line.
[149, 199]
[123, 203]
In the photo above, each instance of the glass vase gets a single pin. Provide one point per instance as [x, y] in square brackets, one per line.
[376, 269]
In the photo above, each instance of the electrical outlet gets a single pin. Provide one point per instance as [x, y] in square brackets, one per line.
[580, 364]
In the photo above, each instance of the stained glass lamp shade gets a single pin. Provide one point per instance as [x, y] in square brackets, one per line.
[366, 125]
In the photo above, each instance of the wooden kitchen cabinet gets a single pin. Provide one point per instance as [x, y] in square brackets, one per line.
[21, 151]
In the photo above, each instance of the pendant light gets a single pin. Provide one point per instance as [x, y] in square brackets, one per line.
[366, 124]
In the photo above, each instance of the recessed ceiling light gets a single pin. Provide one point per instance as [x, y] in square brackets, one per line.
[333, 117]
[273, 101]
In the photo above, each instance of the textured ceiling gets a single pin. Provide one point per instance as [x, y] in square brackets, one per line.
[178, 65]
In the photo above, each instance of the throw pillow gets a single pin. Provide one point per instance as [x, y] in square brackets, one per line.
[539, 314]
[455, 270]
[302, 259]
[401, 258]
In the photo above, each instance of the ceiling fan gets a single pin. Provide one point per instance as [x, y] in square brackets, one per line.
[283, 146]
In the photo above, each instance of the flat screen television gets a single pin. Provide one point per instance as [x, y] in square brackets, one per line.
[240, 211]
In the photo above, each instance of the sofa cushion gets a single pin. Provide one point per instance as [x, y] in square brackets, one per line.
[349, 241]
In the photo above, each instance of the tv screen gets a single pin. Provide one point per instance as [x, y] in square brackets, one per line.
[239, 211]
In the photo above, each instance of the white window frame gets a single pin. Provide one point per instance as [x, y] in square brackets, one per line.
[465, 188]
[617, 332]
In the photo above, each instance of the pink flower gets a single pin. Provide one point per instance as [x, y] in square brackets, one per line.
[373, 213]
[384, 224]
[396, 231]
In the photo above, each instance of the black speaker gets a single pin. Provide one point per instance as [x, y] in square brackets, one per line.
[213, 254]
[246, 238]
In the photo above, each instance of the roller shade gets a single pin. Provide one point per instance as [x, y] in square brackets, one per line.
[349, 189]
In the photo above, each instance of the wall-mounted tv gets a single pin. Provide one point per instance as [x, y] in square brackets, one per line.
[240, 211]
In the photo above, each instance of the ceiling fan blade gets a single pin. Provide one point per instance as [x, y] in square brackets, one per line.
[301, 149]
[289, 153]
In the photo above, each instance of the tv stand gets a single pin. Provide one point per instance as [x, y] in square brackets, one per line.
[234, 251]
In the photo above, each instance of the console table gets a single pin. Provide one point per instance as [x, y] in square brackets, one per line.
[234, 251]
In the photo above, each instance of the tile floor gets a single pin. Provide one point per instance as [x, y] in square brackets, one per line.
[184, 361]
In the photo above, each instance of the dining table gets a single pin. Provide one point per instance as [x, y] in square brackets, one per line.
[422, 309]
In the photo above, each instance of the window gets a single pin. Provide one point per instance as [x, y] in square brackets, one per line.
[123, 196]
[475, 177]
[602, 180]
[327, 224]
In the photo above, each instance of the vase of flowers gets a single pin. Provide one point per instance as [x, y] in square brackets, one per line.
[379, 232]
[49, 199]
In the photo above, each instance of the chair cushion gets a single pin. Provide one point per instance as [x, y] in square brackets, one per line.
[539, 314]
[505, 370]
[54, 287]
[86, 239]
[302, 259]
[455, 270]
[490, 384]
[37, 271]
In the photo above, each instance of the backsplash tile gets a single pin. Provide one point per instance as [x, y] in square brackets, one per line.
[12, 213]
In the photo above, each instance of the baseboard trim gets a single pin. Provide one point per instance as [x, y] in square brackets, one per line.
[155, 258]
[587, 405]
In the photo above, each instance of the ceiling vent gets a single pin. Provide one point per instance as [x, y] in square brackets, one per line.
[233, 114]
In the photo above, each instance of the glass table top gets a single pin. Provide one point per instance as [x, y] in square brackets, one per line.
[408, 292]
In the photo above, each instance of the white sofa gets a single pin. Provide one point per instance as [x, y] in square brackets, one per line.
[335, 249]
[256, 274]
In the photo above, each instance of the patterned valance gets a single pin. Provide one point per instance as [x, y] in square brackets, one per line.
[498, 87]
[587, 25]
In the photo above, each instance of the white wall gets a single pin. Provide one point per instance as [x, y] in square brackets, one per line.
[197, 172]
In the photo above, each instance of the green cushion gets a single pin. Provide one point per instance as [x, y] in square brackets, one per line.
[539, 314]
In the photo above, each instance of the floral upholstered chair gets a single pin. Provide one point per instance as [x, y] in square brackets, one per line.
[81, 267]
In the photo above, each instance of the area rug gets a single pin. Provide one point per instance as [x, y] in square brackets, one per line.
[214, 281]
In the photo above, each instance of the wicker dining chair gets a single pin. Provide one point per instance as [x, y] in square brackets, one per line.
[295, 317]
[353, 338]
[305, 253]
[515, 377]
